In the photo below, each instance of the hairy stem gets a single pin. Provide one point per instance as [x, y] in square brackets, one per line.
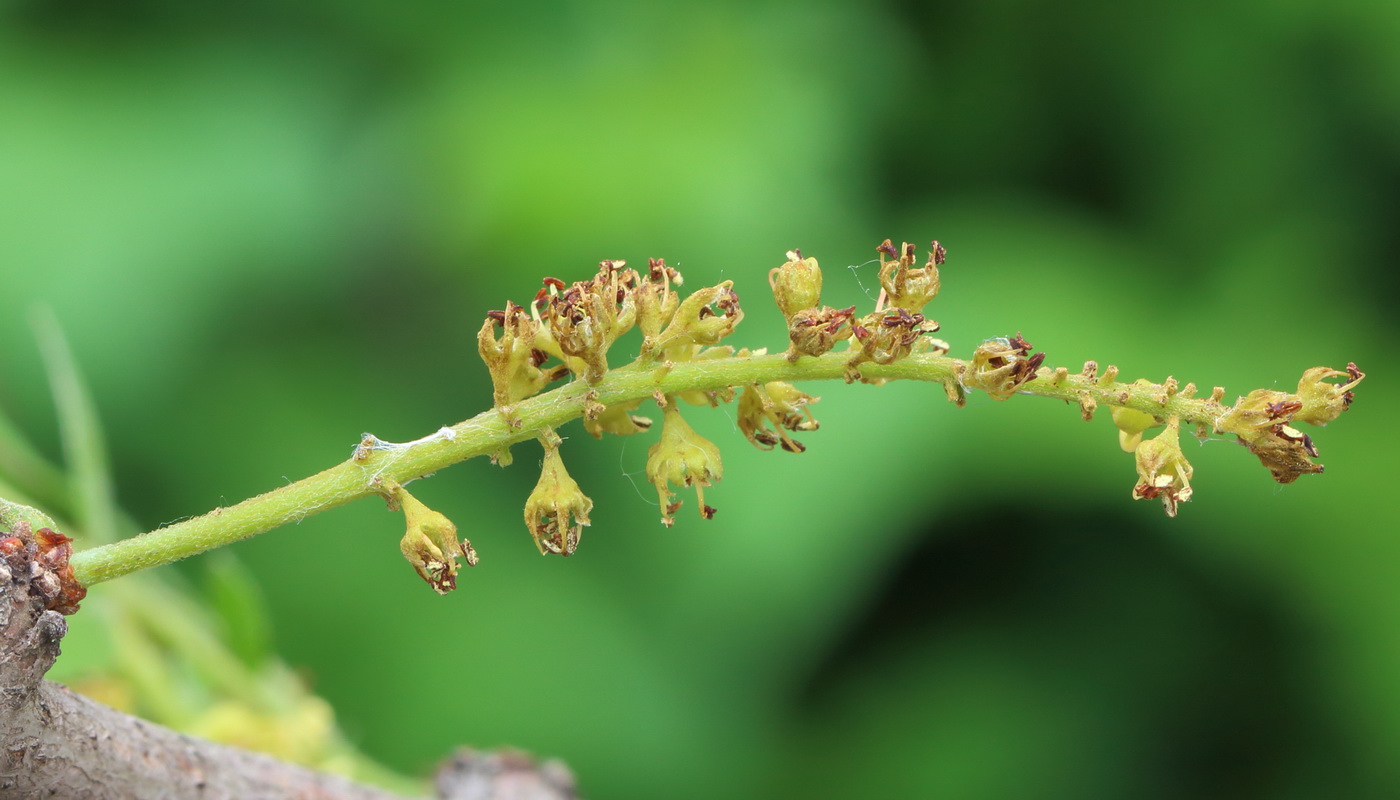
[489, 432]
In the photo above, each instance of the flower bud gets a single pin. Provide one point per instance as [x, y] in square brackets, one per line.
[780, 405]
[905, 287]
[1131, 423]
[685, 458]
[1323, 401]
[555, 499]
[430, 543]
[1000, 366]
[797, 284]
[1163, 470]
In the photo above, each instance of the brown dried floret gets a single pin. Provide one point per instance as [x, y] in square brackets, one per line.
[1001, 366]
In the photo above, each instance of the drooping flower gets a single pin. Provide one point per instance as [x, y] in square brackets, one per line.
[684, 458]
[556, 511]
[1163, 471]
[430, 542]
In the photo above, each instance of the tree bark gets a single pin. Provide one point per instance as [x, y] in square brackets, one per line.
[55, 743]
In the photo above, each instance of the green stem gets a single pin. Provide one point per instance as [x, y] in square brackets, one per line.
[489, 433]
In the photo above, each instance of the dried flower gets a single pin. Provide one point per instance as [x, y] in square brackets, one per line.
[554, 501]
[1285, 451]
[1261, 421]
[685, 458]
[1000, 366]
[884, 337]
[430, 543]
[586, 318]
[1163, 471]
[815, 331]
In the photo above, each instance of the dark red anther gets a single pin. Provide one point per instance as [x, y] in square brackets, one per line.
[1284, 408]
[887, 247]
[939, 253]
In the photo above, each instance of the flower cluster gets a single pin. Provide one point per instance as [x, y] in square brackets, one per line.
[813, 329]
[1262, 420]
[570, 329]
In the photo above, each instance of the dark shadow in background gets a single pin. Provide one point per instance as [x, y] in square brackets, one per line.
[1211, 676]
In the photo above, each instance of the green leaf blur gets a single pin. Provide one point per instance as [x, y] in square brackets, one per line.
[259, 225]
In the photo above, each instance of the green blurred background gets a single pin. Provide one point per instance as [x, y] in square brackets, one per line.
[267, 228]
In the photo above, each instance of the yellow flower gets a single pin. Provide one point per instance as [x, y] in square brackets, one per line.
[1163, 471]
[430, 543]
[906, 287]
[685, 458]
[554, 501]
